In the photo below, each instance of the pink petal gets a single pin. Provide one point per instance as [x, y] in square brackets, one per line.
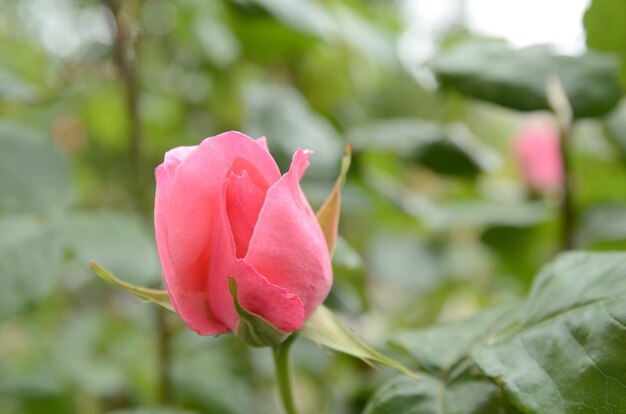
[263, 142]
[255, 293]
[539, 156]
[187, 221]
[287, 246]
[243, 204]
[275, 304]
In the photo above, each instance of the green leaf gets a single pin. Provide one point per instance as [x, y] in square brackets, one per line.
[604, 24]
[452, 383]
[328, 214]
[603, 224]
[118, 239]
[516, 78]
[439, 348]
[253, 329]
[160, 297]
[446, 149]
[30, 255]
[284, 116]
[307, 16]
[34, 177]
[433, 395]
[324, 328]
[568, 354]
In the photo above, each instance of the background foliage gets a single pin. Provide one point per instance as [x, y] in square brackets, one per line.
[437, 224]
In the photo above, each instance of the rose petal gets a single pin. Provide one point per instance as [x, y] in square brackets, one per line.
[188, 196]
[243, 204]
[287, 246]
[255, 293]
[263, 142]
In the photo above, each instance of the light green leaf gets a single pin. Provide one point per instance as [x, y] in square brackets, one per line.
[160, 297]
[324, 328]
[568, 354]
[604, 24]
[328, 214]
[34, 176]
[284, 116]
[253, 329]
[603, 224]
[30, 255]
[118, 239]
[516, 78]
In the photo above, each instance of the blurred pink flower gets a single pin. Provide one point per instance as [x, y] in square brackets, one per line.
[538, 154]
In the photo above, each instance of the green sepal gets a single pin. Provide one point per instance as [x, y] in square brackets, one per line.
[324, 328]
[160, 297]
[253, 329]
[328, 214]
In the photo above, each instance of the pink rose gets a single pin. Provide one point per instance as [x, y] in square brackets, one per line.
[223, 210]
[538, 154]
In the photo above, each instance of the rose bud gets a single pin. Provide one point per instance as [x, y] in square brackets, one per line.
[225, 215]
[537, 151]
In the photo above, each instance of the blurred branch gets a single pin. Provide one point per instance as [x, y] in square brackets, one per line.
[562, 110]
[126, 51]
[125, 54]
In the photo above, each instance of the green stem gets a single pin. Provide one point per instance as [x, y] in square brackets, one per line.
[281, 360]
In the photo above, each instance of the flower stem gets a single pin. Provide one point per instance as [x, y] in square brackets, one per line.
[281, 360]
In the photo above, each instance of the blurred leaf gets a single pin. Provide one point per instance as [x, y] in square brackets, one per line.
[567, 355]
[29, 258]
[282, 115]
[603, 224]
[34, 177]
[402, 268]
[453, 383]
[118, 240]
[516, 78]
[308, 16]
[154, 410]
[445, 149]
[328, 214]
[615, 127]
[483, 214]
[12, 87]
[324, 328]
[605, 29]
[369, 39]
[159, 297]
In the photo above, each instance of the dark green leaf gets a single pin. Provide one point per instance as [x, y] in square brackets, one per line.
[516, 78]
[434, 395]
[446, 149]
[439, 348]
[453, 384]
[567, 355]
